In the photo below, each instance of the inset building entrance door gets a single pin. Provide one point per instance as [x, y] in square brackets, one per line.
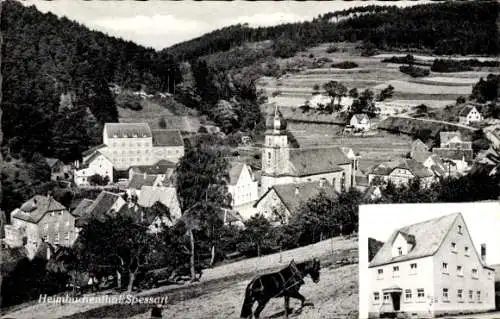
[396, 300]
[395, 293]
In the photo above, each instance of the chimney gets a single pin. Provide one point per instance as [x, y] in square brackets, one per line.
[483, 252]
[296, 190]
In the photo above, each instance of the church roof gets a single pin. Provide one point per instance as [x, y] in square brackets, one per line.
[123, 130]
[312, 161]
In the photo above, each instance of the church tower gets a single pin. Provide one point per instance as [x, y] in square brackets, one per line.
[275, 153]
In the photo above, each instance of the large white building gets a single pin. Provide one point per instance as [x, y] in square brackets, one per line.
[131, 144]
[429, 269]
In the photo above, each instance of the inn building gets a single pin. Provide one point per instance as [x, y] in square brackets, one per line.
[430, 269]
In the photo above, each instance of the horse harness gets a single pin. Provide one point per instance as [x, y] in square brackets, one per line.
[296, 274]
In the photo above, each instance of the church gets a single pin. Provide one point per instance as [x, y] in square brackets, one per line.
[286, 163]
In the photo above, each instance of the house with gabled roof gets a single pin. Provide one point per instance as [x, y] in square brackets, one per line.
[95, 164]
[402, 172]
[56, 168]
[283, 162]
[166, 196]
[470, 114]
[40, 219]
[419, 151]
[454, 148]
[243, 187]
[430, 269]
[360, 121]
[105, 203]
[281, 201]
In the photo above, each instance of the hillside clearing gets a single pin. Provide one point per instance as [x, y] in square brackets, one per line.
[229, 276]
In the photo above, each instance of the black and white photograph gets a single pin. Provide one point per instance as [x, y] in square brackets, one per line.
[249, 159]
[429, 260]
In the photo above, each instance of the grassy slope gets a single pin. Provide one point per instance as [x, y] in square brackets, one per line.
[218, 283]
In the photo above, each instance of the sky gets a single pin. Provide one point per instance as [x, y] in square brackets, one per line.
[160, 24]
[379, 221]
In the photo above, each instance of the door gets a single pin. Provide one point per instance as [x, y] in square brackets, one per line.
[396, 300]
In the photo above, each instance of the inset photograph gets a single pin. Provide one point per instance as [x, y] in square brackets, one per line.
[429, 260]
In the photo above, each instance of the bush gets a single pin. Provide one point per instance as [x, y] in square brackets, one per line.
[345, 65]
[276, 93]
[414, 71]
[316, 87]
[441, 65]
[408, 59]
[332, 49]
[162, 123]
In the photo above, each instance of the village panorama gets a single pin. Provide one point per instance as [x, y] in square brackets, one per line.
[221, 173]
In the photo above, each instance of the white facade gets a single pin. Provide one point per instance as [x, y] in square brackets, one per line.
[97, 164]
[473, 116]
[360, 122]
[246, 188]
[450, 281]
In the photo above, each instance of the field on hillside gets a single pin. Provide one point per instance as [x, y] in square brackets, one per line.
[292, 90]
[222, 287]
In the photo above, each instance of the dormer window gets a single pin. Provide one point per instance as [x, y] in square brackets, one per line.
[460, 229]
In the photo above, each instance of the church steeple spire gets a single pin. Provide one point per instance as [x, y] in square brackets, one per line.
[276, 124]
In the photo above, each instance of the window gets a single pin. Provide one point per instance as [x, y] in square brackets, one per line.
[460, 229]
[460, 271]
[460, 295]
[420, 294]
[408, 295]
[269, 155]
[478, 294]
[386, 297]
[395, 271]
[413, 268]
[56, 240]
[466, 251]
[376, 297]
[445, 268]
[380, 273]
[46, 226]
[453, 247]
[60, 213]
[400, 251]
[52, 214]
[45, 238]
[471, 295]
[66, 237]
[474, 273]
[445, 294]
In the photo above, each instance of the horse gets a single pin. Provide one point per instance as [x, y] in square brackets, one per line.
[284, 283]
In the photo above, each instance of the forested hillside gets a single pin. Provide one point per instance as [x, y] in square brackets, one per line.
[467, 27]
[45, 56]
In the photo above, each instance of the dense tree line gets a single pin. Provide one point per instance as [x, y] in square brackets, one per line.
[45, 56]
[443, 28]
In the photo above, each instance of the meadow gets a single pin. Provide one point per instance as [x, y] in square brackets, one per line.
[293, 89]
